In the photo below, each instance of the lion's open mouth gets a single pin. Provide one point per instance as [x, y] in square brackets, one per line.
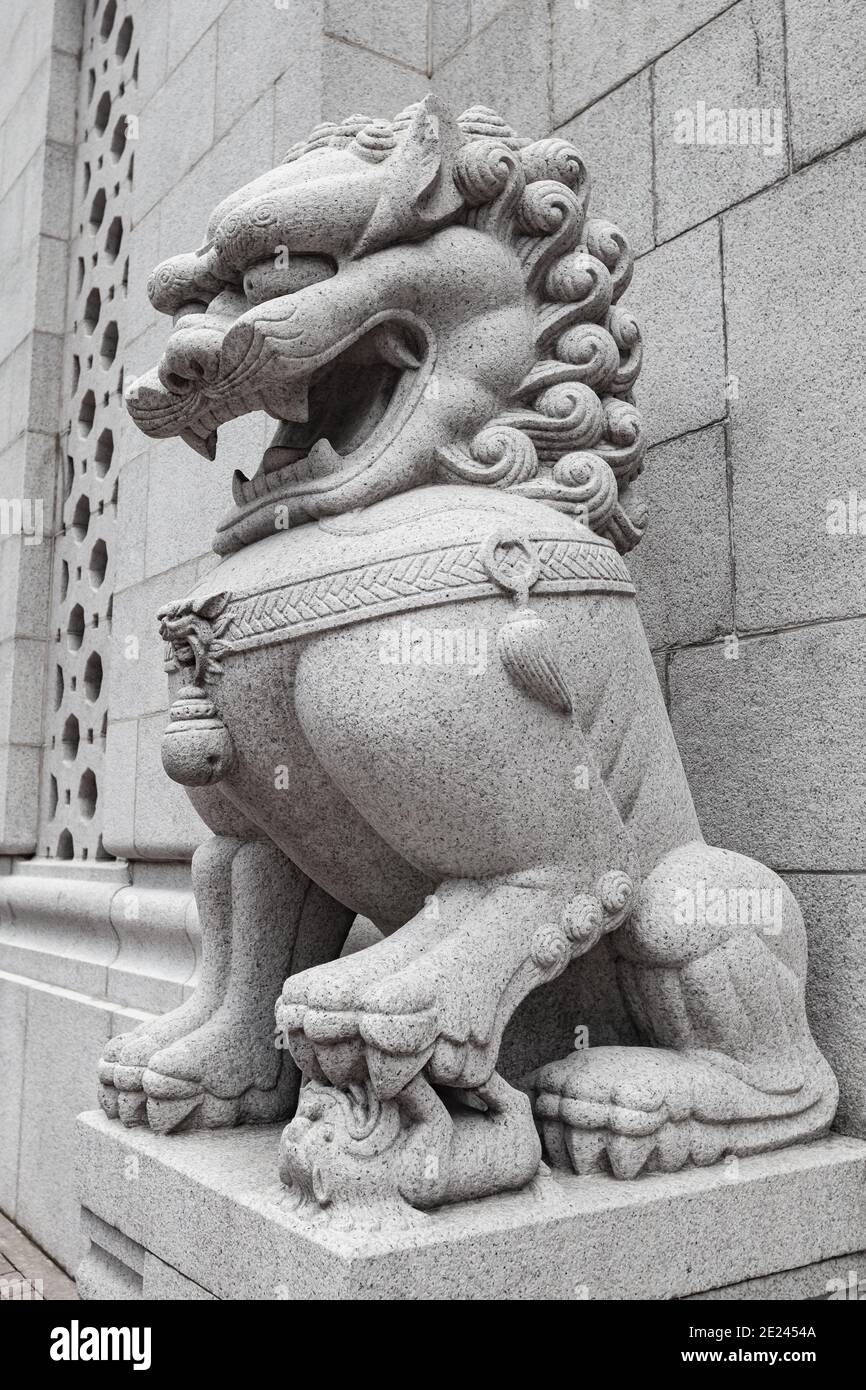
[355, 404]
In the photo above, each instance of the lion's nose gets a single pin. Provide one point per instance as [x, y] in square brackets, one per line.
[191, 359]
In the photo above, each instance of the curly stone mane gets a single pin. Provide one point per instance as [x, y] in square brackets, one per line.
[572, 434]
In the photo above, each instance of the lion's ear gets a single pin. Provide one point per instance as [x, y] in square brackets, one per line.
[419, 193]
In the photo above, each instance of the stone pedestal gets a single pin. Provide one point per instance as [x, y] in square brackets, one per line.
[205, 1216]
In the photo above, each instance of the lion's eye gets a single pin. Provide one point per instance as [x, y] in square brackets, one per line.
[285, 274]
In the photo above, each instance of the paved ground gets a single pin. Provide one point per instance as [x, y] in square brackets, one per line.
[25, 1272]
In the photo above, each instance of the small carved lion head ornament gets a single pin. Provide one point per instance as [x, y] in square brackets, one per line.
[413, 301]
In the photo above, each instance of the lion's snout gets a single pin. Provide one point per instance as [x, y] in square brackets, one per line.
[191, 358]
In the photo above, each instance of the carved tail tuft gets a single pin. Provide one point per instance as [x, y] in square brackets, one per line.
[526, 653]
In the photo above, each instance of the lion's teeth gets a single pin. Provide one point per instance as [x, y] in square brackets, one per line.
[239, 485]
[196, 442]
[321, 461]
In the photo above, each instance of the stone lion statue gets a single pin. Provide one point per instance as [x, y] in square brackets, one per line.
[417, 688]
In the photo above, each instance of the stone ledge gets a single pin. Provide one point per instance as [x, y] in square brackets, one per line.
[107, 930]
[212, 1208]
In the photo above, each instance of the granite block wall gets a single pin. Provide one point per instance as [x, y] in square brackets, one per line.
[37, 150]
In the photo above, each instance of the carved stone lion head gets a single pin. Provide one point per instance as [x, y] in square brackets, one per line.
[413, 301]
[342, 1151]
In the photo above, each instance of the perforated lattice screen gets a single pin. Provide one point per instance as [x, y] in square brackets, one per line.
[84, 549]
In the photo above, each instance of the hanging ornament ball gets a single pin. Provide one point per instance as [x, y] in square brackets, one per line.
[196, 747]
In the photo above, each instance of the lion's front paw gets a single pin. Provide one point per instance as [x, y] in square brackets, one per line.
[334, 1030]
[126, 1057]
[349, 1022]
[226, 1073]
[434, 996]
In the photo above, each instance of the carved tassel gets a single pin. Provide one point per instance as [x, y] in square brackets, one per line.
[526, 653]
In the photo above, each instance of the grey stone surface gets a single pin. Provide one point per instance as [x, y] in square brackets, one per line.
[826, 74]
[37, 124]
[258, 41]
[165, 826]
[121, 761]
[60, 122]
[297, 100]
[483, 12]
[19, 216]
[240, 154]
[55, 165]
[177, 123]
[796, 422]
[28, 468]
[59, 1086]
[161, 1281]
[144, 247]
[677, 296]
[153, 49]
[14, 400]
[113, 1242]
[104, 1276]
[186, 25]
[25, 125]
[450, 28]
[157, 929]
[24, 577]
[400, 33]
[177, 482]
[781, 726]
[21, 663]
[734, 65]
[139, 681]
[13, 1013]
[26, 32]
[55, 922]
[660, 661]
[837, 1279]
[483, 70]
[19, 777]
[565, 1238]
[351, 80]
[20, 1259]
[46, 376]
[131, 537]
[685, 488]
[615, 138]
[834, 908]
[595, 47]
